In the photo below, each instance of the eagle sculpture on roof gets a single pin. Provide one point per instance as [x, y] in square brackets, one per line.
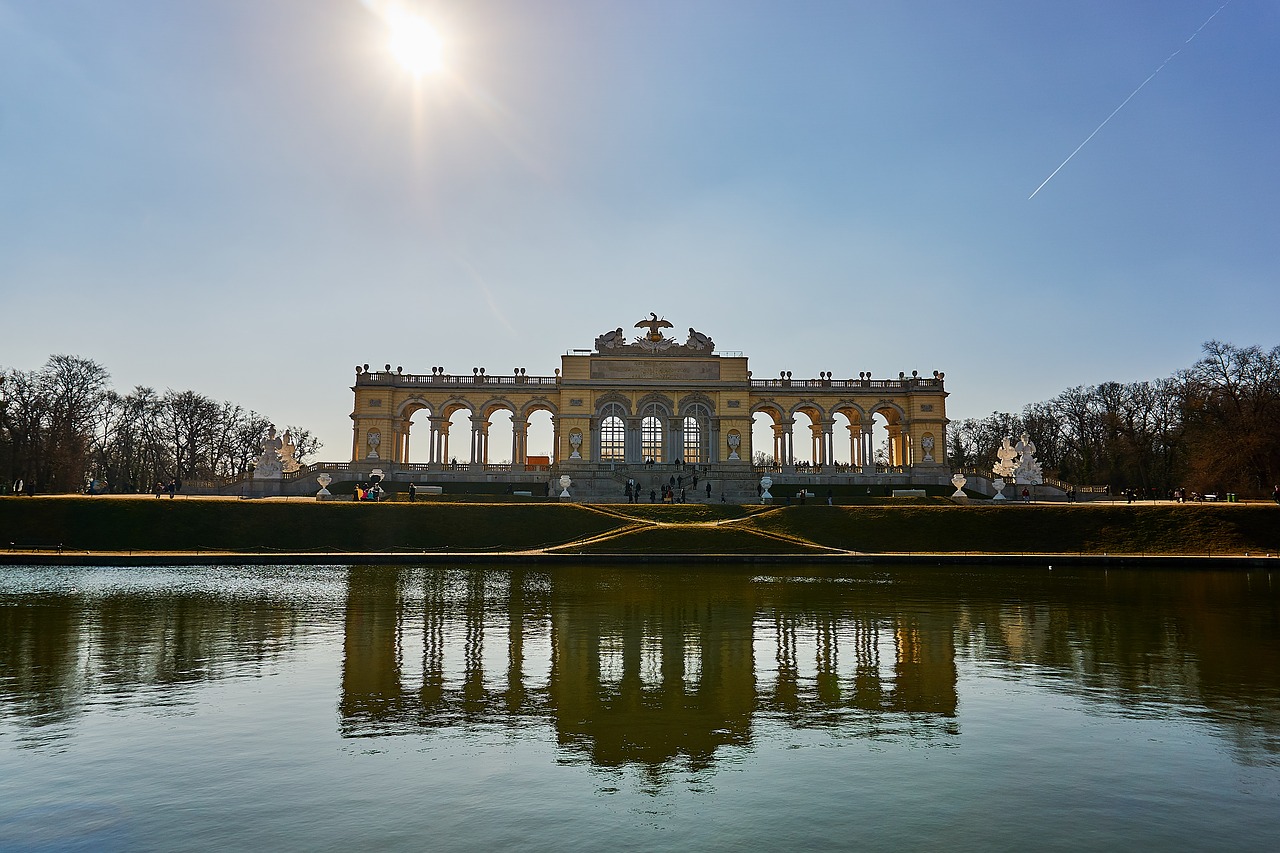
[654, 325]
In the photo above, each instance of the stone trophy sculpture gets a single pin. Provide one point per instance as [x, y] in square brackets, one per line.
[1004, 467]
[958, 480]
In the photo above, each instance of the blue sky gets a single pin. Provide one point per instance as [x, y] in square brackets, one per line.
[250, 197]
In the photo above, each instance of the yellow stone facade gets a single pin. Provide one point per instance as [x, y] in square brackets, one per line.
[650, 399]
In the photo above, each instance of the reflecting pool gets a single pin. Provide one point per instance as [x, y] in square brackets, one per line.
[588, 708]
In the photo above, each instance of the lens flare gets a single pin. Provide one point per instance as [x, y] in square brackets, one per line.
[414, 43]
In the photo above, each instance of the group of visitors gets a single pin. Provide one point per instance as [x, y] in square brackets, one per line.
[371, 492]
[170, 488]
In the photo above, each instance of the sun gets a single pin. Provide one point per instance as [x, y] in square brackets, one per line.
[414, 43]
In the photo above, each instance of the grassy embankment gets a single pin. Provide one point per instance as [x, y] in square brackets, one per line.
[905, 526]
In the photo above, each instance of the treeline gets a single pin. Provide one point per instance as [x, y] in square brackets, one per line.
[1214, 427]
[62, 426]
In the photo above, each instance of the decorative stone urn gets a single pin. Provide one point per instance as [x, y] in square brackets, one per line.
[998, 484]
[565, 483]
[324, 480]
[765, 482]
[575, 441]
[958, 480]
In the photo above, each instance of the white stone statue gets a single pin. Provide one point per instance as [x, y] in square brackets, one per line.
[958, 480]
[375, 438]
[267, 466]
[565, 483]
[575, 441]
[324, 480]
[765, 482]
[1005, 456]
[288, 454]
[735, 441]
[927, 444]
[1028, 472]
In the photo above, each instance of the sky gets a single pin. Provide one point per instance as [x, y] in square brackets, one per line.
[248, 198]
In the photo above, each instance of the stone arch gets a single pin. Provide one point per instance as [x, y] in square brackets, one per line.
[662, 401]
[766, 437]
[613, 398]
[410, 406]
[856, 423]
[696, 399]
[539, 404]
[893, 435]
[405, 427]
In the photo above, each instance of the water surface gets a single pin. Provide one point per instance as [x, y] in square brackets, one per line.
[304, 708]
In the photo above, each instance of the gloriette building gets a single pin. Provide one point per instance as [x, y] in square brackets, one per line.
[633, 405]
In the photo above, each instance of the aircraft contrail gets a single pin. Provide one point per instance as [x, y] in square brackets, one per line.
[1128, 99]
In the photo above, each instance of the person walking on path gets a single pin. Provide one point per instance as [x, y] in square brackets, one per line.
[1275, 494]
[413, 493]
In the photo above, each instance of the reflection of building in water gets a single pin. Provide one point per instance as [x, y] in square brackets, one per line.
[653, 667]
[633, 666]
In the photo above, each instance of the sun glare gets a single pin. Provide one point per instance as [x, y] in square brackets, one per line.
[414, 43]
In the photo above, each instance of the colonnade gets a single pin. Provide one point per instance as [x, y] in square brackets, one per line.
[862, 451]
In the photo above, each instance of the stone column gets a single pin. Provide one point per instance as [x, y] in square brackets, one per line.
[519, 442]
[633, 450]
[868, 449]
[713, 440]
[675, 439]
[593, 438]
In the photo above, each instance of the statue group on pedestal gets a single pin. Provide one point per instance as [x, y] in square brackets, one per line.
[279, 456]
[1016, 461]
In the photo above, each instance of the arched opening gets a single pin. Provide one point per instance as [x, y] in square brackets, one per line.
[806, 438]
[696, 433]
[497, 442]
[539, 441]
[457, 443]
[613, 433]
[416, 433]
[766, 449]
[889, 439]
[846, 439]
